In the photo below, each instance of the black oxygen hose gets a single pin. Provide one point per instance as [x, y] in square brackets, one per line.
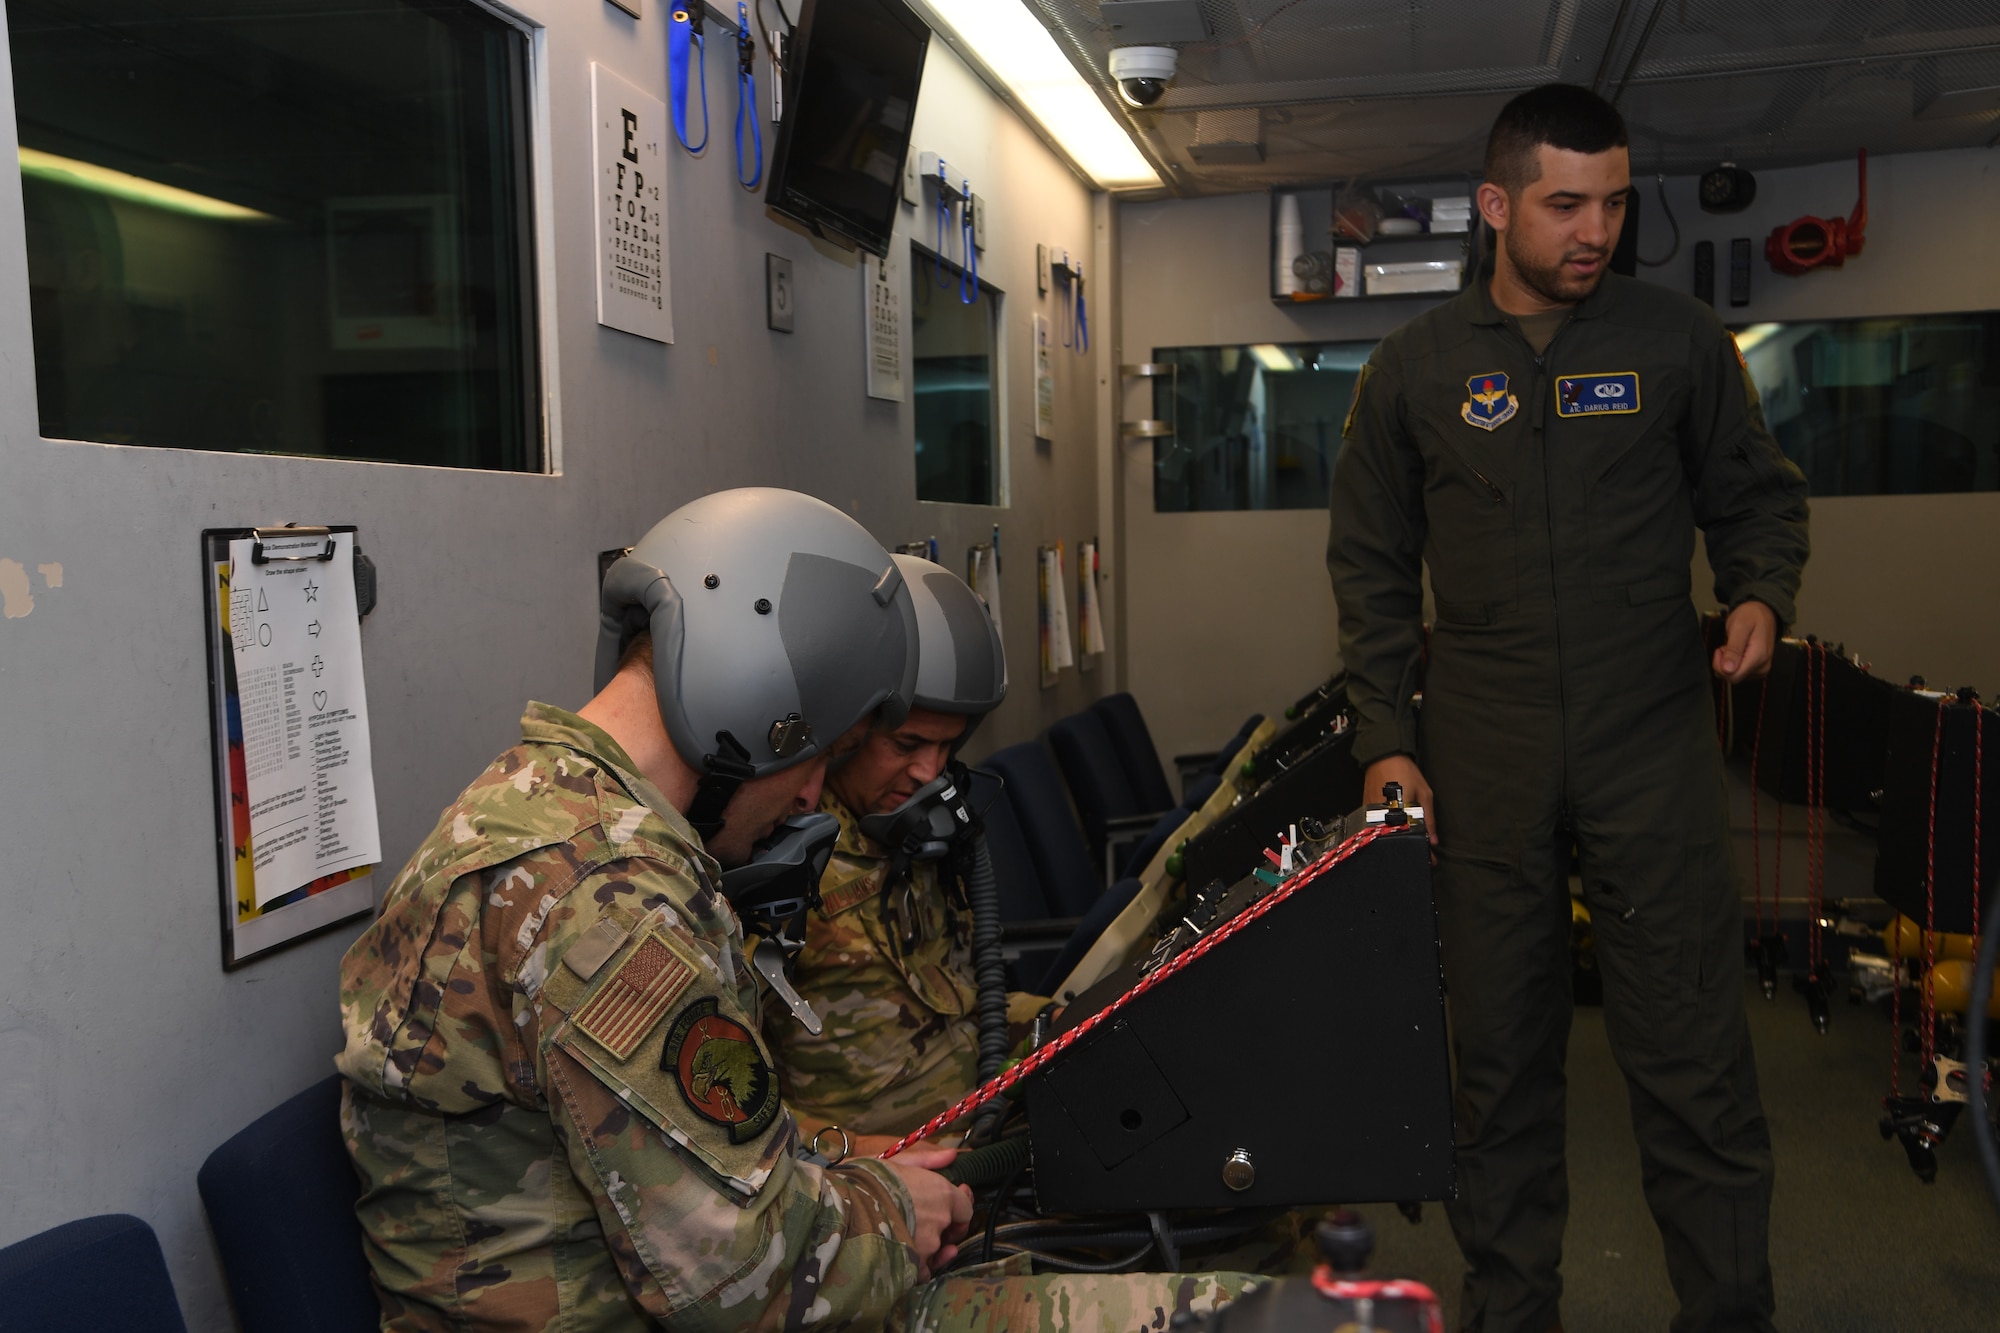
[988, 967]
[1975, 1059]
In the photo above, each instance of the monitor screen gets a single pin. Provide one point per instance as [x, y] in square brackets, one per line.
[850, 97]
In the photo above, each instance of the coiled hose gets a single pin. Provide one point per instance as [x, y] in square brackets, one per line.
[989, 969]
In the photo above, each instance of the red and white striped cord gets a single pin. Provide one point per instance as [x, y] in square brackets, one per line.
[1390, 1289]
[1927, 1012]
[1040, 1059]
[1815, 802]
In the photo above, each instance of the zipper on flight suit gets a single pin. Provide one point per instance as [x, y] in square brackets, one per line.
[1539, 421]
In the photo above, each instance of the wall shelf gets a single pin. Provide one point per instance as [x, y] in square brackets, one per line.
[1313, 207]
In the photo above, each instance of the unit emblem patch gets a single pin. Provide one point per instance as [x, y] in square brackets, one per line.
[1488, 404]
[1594, 395]
[635, 998]
[721, 1071]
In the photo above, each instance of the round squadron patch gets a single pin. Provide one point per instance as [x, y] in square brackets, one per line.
[721, 1071]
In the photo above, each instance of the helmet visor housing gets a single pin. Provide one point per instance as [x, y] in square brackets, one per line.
[778, 622]
[961, 667]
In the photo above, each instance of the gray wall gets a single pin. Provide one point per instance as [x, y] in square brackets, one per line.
[125, 1052]
[1229, 613]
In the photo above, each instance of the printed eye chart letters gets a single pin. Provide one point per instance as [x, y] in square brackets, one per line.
[882, 329]
[630, 158]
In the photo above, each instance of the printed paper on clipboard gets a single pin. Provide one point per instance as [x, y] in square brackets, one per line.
[264, 903]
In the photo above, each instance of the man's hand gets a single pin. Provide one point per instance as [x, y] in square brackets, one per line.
[1401, 768]
[1753, 636]
[943, 1209]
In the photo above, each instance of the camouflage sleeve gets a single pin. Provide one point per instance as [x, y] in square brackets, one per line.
[664, 1100]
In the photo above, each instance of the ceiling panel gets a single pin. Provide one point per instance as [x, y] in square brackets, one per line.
[1398, 87]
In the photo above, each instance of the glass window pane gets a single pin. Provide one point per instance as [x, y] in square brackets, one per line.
[1253, 427]
[954, 372]
[1896, 406]
[295, 228]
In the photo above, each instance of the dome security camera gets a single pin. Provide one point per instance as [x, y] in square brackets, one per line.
[1143, 72]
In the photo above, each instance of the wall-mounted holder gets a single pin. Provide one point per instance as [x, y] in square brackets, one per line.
[930, 177]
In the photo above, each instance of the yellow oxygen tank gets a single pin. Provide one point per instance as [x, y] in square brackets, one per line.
[1904, 938]
[1951, 981]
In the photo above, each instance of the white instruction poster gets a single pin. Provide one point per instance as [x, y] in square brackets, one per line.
[1045, 382]
[297, 639]
[630, 157]
[882, 331]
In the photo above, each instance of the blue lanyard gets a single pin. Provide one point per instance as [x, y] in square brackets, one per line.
[746, 100]
[938, 274]
[968, 276]
[685, 38]
[1082, 315]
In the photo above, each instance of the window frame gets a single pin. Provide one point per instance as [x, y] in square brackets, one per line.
[541, 354]
[1002, 455]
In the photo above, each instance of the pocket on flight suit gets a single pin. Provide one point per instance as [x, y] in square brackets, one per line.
[1469, 511]
[923, 963]
[1666, 937]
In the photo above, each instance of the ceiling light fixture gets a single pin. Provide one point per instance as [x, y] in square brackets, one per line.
[1019, 52]
[135, 189]
[1273, 357]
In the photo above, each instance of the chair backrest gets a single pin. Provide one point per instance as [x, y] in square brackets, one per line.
[1021, 895]
[1069, 877]
[1133, 740]
[280, 1198]
[1095, 922]
[88, 1276]
[1091, 768]
[1148, 847]
[1242, 738]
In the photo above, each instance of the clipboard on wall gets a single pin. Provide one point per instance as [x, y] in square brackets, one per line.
[284, 655]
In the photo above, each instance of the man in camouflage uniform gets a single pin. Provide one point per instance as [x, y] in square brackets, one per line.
[888, 966]
[556, 1099]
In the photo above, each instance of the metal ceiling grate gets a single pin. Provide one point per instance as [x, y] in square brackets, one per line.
[1402, 87]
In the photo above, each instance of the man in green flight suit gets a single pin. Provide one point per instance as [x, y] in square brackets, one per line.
[557, 1099]
[1547, 443]
[887, 966]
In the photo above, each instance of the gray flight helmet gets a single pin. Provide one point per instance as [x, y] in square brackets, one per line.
[777, 624]
[961, 667]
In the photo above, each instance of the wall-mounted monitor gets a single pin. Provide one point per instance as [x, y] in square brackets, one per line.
[850, 98]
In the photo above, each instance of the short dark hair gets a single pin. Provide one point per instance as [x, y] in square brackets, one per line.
[1561, 115]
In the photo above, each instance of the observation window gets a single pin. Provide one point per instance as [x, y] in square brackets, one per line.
[1904, 405]
[295, 229]
[955, 370]
[1251, 427]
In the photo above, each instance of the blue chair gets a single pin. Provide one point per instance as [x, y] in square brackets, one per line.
[1133, 741]
[1195, 769]
[1021, 896]
[1113, 813]
[89, 1276]
[1149, 846]
[1070, 882]
[1095, 922]
[280, 1198]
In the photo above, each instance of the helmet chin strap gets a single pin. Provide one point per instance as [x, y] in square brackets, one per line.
[722, 773]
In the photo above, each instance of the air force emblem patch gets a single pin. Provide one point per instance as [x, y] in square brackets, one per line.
[1488, 404]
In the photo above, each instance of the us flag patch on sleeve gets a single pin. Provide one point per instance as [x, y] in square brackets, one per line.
[635, 998]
